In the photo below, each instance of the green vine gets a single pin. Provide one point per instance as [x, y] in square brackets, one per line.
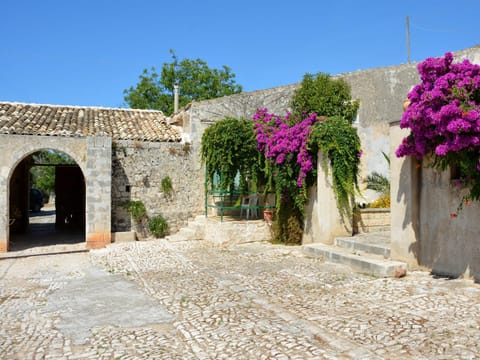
[229, 149]
[338, 139]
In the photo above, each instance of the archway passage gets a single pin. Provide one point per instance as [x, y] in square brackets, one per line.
[43, 214]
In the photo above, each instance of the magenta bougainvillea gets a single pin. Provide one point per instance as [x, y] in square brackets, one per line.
[279, 141]
[444, 118]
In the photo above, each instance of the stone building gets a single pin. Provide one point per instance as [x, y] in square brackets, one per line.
[120, 155]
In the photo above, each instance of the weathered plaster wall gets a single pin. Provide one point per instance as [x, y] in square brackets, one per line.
[137, 172]
[323, 219]
[381, 93]
[422, 231]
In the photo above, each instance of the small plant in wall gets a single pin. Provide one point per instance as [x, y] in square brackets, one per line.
[158, 226]
[166, 186]
[137, 210]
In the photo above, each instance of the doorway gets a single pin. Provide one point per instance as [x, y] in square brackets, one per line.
[47, 203]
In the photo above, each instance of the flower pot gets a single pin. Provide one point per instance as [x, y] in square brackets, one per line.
[268, 215]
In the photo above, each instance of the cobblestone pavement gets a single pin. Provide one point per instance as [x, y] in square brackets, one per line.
[254, 301]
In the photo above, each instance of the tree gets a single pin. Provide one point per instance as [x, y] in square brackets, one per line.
[196, 81]
[325, 96]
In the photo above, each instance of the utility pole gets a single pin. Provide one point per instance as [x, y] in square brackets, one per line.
[408, 38]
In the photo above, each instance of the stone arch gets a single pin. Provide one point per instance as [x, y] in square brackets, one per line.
[92, 155]
[68, 223]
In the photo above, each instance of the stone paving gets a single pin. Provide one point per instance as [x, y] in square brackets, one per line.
[197, 300]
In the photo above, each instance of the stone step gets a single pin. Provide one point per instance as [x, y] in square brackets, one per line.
[188, 233]
[357, 244]
[368, 264]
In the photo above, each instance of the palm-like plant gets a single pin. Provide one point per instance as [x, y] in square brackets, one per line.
[381, 184]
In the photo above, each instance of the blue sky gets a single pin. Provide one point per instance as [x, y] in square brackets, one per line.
[86, 52]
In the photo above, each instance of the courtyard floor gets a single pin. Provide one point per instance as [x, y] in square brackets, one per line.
[195, 300]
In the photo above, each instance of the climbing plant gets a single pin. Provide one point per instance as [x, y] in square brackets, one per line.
[291, 143]
[229, 149]
[339, 141]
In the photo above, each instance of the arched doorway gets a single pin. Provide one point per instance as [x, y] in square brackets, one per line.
[47, 201]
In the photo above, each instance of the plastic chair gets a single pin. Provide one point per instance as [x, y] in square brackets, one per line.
[249, 204]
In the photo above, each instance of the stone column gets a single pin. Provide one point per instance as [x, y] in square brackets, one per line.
[98, 189]
[323, 220]
[405, 201]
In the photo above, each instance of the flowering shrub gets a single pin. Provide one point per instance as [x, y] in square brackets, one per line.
[292, 150]
[444, 118]
[288, 166]
[279, 141]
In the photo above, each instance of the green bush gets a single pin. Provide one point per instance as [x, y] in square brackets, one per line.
[158, 226]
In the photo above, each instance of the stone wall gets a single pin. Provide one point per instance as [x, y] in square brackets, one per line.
[137, 172]
[371, 220]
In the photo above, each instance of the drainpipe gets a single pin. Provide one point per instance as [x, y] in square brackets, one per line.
[175, 97]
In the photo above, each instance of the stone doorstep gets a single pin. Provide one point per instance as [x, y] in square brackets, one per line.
[368, 263]
[123, 236]
[356, 244]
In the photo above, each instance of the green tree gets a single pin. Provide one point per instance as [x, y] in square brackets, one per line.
[196, 80]
[43, 177]
[325, 96]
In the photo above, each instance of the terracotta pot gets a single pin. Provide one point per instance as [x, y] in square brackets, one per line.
[268, 215]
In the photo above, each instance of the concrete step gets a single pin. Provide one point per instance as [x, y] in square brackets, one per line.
[195, 230]
[363, 245]
[368, 264]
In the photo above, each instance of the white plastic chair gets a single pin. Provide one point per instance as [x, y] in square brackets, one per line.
[249, 204]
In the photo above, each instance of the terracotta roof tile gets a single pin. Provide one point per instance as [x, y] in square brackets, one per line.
[76, 121]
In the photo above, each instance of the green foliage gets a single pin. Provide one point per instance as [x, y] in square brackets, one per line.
[381, 184]
[43, 177]
[378, 182]
[324, 96]
[196, 81]
[166, 185]
[229, 148]
[158, 226]
[136, 209]
[338, 139]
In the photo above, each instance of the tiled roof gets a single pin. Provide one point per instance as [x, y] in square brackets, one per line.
[76, 121]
